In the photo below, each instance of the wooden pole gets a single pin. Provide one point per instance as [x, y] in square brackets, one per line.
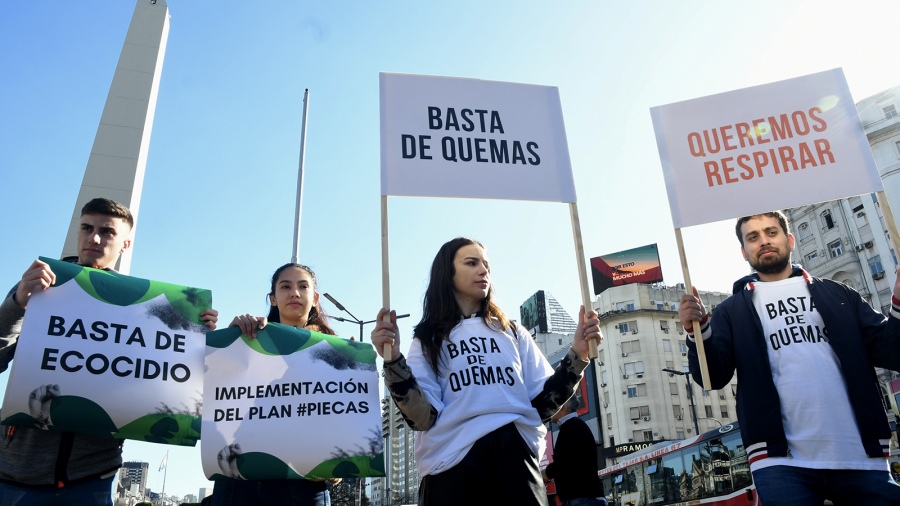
[698, 336]
[889, 219]
[385, 269]
[582, 273]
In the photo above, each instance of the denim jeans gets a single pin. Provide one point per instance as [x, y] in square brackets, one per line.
[297, 492]
[798, 486]
[93, 492]
[585, 501]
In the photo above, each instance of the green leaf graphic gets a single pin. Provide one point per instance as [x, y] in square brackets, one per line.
[259, 466]
[162, 428]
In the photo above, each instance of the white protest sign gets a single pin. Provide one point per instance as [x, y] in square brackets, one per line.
[290, 404]
[453, 137]
[110, 355]
[767, 147]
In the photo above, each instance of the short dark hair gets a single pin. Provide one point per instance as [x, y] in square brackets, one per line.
[108, 207]
[778, 215]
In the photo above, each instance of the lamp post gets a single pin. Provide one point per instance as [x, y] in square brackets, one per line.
[690, 391]
[355, 319]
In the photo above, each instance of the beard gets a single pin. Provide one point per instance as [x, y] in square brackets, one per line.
[772, 265]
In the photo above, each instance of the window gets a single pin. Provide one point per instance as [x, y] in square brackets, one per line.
[898, 147]
[627, 305]
[836, 248]
[679, 327]
[634, 368]
[631, 346]
[827, 221]
[664, 326]
[609, 419]
[603, 378]
[637, 390]
[639, 411]
[889, 111]
[705, 393]
[804, 232]
[648, 435]
[709, 411]
[811, 259]
[670, 364]
[676, 409]
[875, 265]
[685, 367]
[724, 410]
[638, 436]
[673, 388]
[679, 433]
[601, 357]
[623, 327]
[682, 346]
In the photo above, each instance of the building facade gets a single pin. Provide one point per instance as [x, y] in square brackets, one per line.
[133, 477]
[401, 485]
[639, 403]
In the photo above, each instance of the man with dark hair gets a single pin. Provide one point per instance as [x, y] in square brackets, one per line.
[574, 466]
[804, 349]
[63, 468]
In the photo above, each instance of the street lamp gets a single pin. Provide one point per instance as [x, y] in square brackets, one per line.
[355, 319]
[690, 391]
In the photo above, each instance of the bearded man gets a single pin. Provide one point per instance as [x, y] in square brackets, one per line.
[804, 350]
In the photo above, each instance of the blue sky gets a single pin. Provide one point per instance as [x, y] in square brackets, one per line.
[218, 204]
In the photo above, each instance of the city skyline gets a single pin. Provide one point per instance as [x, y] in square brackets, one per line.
[217, 207]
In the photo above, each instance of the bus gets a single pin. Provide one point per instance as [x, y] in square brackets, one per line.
[709, 469]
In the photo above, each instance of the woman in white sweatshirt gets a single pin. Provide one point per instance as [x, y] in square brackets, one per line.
[476, 386]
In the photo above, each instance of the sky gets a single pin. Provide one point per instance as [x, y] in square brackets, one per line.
[217, 210]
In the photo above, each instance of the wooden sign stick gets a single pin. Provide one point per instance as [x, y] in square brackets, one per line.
[582, 273]
[698, 336]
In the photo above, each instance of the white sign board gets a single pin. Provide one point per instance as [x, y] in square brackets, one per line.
[290, 404]
[110, 355]
[452, 137]
[763, 148]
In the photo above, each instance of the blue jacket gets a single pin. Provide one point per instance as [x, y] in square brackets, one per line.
[860, 337]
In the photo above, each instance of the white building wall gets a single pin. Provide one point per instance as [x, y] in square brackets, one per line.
[638, 401]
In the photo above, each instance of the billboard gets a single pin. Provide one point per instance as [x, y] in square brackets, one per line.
[533, 313]
[637, 265]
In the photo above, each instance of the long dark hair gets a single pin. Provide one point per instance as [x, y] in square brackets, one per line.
[317, 319]
[440, 312]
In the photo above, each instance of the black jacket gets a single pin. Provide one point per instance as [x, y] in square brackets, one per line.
[574, 466]
[860, 337]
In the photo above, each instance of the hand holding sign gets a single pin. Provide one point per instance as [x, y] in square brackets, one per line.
[587, 333]
[386, 335]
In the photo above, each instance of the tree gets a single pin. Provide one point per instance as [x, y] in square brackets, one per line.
[347, 491]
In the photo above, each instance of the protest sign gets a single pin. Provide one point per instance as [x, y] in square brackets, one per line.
[767, 147]
[438, 134]
[290, 404]
[636, 265]
[110, 355]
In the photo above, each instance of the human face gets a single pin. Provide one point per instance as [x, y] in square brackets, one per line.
[295, 295]
[471, 278]
[101, 239]
[767, 248]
